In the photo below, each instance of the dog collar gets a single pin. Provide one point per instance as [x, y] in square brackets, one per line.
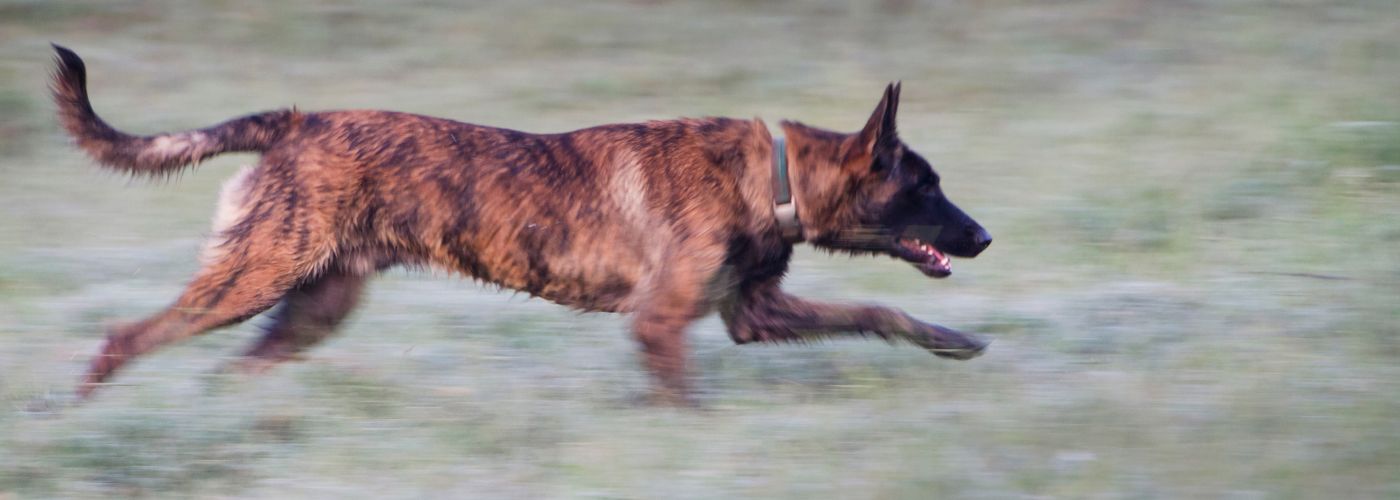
[783, 207]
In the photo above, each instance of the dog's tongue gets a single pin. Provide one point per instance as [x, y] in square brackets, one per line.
[934, 262]
[938, 265]
[941, 260]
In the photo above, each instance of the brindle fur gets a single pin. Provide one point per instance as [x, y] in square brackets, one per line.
[666, 220]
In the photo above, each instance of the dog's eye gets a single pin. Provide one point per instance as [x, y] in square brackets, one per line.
[929, 189]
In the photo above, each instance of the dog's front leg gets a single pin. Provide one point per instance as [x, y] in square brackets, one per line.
[772, 315]
[672, 300]
[662, 336]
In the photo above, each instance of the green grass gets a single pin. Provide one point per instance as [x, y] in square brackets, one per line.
[1192, 291]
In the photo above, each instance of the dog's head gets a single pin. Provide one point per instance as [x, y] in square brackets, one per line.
[868, 192]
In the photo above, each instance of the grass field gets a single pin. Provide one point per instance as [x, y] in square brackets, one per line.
[1194, 291]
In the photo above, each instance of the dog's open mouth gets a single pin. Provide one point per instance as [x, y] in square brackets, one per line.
[924, 256]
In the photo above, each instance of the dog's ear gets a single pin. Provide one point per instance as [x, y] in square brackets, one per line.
[879, 131]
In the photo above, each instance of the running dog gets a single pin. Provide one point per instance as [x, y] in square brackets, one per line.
[665, 220]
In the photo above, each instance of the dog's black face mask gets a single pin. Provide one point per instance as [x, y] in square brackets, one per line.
[901, 209]
[926, 226]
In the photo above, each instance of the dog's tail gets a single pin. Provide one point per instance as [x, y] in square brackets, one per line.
[160, 154]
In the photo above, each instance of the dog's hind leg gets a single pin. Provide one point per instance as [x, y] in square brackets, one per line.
[307, 315]
[257, 258]
[222, 294]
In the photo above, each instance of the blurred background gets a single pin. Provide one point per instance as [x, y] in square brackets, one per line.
[1194, 291]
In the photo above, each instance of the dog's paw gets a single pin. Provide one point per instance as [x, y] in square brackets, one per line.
[951, 344]
[960, 354]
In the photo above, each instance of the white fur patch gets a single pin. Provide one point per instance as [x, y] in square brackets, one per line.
[628, 188]
[232, 207]
[360, 264]
[185, 144]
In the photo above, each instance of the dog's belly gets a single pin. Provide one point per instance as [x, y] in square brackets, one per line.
[600, 290]
[584, 266]
[589, 277]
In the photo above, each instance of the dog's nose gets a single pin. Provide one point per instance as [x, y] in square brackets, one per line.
[980, 237]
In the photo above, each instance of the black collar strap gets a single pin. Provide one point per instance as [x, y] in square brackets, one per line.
[783, 207]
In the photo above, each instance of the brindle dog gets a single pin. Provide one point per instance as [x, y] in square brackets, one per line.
[666, 220]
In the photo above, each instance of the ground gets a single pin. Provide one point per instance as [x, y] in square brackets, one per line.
[1193, 290]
